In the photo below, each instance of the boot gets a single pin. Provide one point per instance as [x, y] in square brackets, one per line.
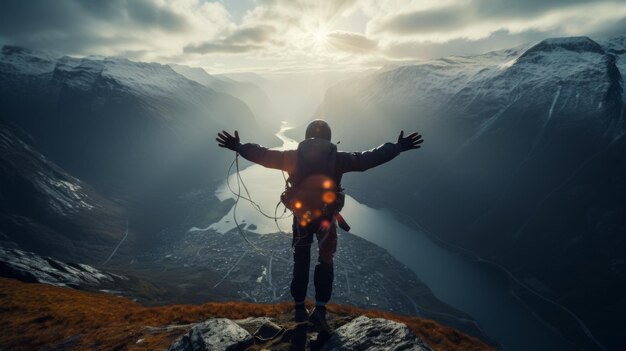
[301, 313]
[318, 318]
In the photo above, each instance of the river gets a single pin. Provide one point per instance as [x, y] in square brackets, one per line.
[475, 288]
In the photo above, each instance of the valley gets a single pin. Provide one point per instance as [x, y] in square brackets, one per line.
[512, 211]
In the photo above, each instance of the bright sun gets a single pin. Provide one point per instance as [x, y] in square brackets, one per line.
[320, 36]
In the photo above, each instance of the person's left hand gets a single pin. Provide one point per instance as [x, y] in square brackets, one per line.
[228, 141]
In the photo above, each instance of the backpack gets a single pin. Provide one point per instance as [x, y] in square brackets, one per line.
[312, 192]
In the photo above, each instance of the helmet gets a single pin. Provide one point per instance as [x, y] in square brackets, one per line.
[318, 129]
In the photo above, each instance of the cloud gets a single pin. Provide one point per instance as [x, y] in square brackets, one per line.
[252, 34]
[351, 42]
[460, 46]
[84, 27]
[209, 48]
[270, 33]
[313, 7]
[426, 21]
[479, 18]
[610, 29]
[25, 19]
[140, 12]
[240, 40]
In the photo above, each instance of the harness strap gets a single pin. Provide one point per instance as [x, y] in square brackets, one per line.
[342, 222]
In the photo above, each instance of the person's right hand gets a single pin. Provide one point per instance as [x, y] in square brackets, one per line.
[412, 141]
[228, 141]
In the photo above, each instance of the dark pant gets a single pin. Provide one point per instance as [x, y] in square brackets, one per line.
[323, 277]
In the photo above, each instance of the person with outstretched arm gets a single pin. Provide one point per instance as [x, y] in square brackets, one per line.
[315, 196]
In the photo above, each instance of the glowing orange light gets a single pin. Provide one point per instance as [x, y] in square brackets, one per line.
[317, 213]
[297, 204]
[303, 223]
[329, 197]
[325, 224]
[327, 184]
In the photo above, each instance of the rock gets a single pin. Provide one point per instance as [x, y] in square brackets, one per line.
[365, 333]
[253, 322]
[214, 334]
[32, 268]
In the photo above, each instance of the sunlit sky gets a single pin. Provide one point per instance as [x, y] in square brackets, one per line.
[297, 35]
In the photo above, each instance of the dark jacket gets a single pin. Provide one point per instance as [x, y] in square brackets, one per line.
[345, 161]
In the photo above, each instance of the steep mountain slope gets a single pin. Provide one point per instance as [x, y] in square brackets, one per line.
[537, 122]
[44, 209]
[123, 126]
[250, 93]
[523, 162]
[617, 46]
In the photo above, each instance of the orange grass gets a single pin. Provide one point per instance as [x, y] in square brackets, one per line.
[38, 316]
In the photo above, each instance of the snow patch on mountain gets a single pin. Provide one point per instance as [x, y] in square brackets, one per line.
[486, 87]
[574, 44]
[148, 79]
[432, 81]
[31, 267]
[64, 194]
[158, 80]
[200, 75]
[24, 61]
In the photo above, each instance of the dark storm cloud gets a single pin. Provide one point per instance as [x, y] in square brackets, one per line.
[23, 19]
[351, 42]
[140, 12]
[78, 25]
[457, 16]
[239, 41]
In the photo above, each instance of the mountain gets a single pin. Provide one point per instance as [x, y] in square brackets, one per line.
[47, 210]
[191, 267]
[76, 320]
[139, 133]
[126, 127]
[249, 77]
[250, 93]
[523, 164]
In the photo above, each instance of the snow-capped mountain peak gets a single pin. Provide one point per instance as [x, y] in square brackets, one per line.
[576, 44]
[24, 61]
